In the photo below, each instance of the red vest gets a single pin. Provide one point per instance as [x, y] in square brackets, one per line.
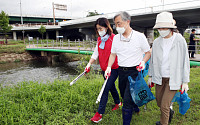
[104, 54]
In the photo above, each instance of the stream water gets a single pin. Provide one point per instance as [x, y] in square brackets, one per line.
[41, 71]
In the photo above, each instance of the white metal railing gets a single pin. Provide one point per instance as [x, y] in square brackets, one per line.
[196, 46]
[60, 44]
[33, 24]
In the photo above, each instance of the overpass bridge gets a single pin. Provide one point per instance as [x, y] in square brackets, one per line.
[185, 13]
[143, 19]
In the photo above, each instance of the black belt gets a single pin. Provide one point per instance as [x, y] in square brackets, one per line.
[127, 68]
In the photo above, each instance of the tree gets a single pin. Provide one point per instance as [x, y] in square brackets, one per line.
[156, 33]
[42, 30]
[4, 24]
[93, 13]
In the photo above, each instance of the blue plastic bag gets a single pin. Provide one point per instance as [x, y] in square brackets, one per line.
[146, 69]
[183, 100]
[140, 92]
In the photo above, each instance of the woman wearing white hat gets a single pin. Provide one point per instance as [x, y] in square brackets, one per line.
[169, 65]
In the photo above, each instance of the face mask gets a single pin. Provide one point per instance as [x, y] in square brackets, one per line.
[164, 33]
[120, 30]
[102, 33]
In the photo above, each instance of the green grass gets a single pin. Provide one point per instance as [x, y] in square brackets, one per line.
[58, 103]
[16, 48]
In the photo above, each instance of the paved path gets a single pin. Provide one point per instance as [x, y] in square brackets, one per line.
[197, 57]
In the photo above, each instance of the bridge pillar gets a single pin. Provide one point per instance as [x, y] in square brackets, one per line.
[43, 53]
[49, 58]
[14, 35]
[149, 33]
[89, 33]
[54, 59]
[87, 37]
[47, 35]
[57, 32]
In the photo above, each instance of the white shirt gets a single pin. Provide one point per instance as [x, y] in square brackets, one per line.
[95, 53]
[130, 53]
[166, 45]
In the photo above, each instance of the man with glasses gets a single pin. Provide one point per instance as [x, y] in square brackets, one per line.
[129, 47]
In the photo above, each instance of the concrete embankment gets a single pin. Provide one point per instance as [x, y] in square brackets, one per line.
[14, 57]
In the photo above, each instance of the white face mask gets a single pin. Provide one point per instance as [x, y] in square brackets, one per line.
[120, 30]
[164, 33]
[102, 33]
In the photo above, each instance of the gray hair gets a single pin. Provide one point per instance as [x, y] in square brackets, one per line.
[124, 15]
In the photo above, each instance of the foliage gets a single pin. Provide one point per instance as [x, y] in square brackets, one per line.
[156, 33]
[3, 62]
[17, 60]
[83, 62]
[59, 103]
[92, 13]
[187, 37]
[42, 30]
[4, 23]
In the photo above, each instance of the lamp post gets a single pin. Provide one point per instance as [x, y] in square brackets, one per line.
[58, 7]
[163, 3]
[53, 14]
[22, 21]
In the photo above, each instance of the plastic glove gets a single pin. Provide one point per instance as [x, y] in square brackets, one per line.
[149, 82]
[185, 87]
[87, 68]
[107, 72]
[141, 66]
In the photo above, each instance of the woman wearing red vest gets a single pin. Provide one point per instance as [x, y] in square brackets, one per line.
[103, 50]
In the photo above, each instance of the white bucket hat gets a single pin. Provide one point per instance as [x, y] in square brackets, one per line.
[164, 20]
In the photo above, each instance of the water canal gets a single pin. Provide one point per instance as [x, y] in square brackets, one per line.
[41, 71]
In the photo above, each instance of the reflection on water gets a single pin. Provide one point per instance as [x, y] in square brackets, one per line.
[41, 71]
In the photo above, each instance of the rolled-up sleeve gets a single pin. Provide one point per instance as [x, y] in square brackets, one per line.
[95, 53]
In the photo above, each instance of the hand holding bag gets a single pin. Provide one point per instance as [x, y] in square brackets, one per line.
[183, 101]
[140, 92]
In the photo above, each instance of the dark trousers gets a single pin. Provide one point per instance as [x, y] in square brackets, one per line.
[192, 54]
[124, 87]
[191, 50]
[110, 86]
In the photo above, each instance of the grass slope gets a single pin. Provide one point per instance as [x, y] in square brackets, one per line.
[58, 103]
